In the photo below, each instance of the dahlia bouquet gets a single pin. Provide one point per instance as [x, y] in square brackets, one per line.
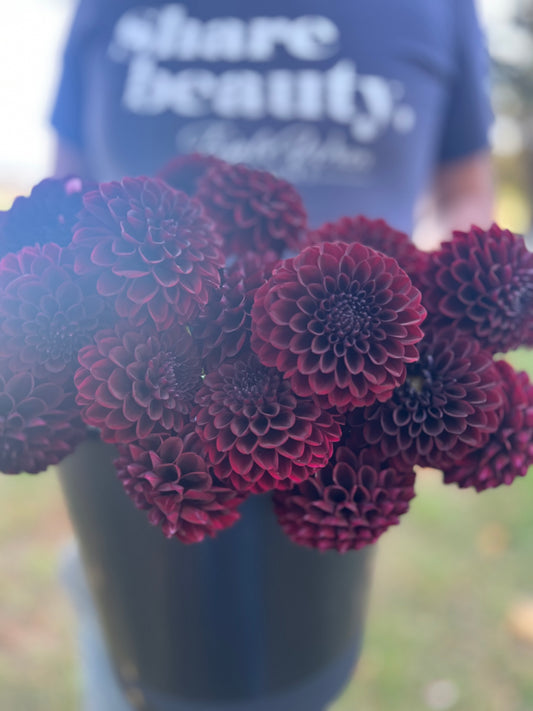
[227, 350]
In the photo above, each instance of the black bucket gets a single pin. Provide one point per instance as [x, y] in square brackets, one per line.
[247, 621]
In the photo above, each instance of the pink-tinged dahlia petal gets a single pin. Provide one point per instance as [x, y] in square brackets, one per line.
[508, 453]
[168, 477]
[47, 215]
[134, 382]
[376, 234]
[482, 283]
[347, 505]
[46, 313]
[39, 423]
[340, 321]
[183, 172]
[449, 404]
[252, 209]
[154, 251]
[258, 434]
[224, 329]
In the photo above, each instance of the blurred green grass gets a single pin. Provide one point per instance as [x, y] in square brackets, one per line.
[446, 626]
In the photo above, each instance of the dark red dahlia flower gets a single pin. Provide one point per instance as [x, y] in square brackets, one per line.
[39, 423]
[376, 234]
[135, 382]
[258, 433]
[509, 451]
[169, 477]
[447, 407]
[225, 327]
[183, 172]
[46, 313]
[482, 283]
[156, 253]
[253, 210]
[348, 504]
[47, 215]
[340, 321]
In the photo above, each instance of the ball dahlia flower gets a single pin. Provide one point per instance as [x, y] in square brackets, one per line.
[168, 477]
[225, 327]
[509, 450]
[252, 209]
[46, 313]
[39, 423]
[258, 433]
[47, 215]
[340, 321]
[134, 382]
[482, 283]
[348, 504]
[376, 234]
[155, 252]
[183, 172]
[447, 407]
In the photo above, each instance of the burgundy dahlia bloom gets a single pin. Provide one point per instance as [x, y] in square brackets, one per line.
[253, 210]
[135, 382]
[169, 478]
[183, 172]
[340, 322]
[347, 505]
[47, 215]
[376, 234]
[447, 407]
[225, 327]
[155, 252]
[39, 423]
[482, 283]
[258, 433]
[46, 313]
[509, 451]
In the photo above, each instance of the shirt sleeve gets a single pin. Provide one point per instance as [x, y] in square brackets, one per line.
[469, 114]
[67, 112]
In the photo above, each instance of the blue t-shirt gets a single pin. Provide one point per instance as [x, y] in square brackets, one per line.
[354, 101]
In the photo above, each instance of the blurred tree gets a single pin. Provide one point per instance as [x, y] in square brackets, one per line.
[509, 25]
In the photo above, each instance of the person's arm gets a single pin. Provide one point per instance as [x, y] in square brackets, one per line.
[462, 189]
[462, 194]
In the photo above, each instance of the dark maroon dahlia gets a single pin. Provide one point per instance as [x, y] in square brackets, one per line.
[135, 382]
[447, 407]
[253, 210]
[347, 505]
[183, 172]
[39, 423]
[154, 250]
[47, 215]
[376, 234]
[46, 313]
[224, 328]
[509, 451]
[482, 283]
[258, 433]
[340, 321]
[169, 478]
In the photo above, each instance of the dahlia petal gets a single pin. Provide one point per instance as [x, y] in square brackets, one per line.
[142, 289]
[158, 308]
[322, 383]
[354, 361]
[109, 284]
[119, 384]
